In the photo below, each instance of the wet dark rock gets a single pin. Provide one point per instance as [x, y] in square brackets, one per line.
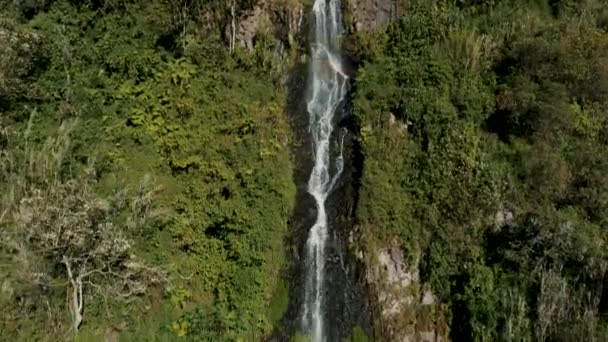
[346, 304]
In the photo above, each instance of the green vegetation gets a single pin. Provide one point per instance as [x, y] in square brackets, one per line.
[147, 181]
[165, 156]
[484, 129]
[359, 335]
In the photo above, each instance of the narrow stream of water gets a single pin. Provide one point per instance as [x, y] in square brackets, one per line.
[327, 88]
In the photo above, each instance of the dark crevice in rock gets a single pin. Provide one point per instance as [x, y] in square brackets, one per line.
[304, 213]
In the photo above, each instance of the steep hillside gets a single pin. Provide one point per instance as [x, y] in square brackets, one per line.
[483, 212]
[145, 161]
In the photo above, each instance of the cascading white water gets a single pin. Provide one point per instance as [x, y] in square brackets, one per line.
[327, 88]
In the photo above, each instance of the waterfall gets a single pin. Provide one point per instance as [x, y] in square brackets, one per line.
[327, 87]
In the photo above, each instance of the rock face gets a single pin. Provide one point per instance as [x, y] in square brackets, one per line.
[408, 310]
[364, 15]
[248, 27]
[503, 217]
[283, 19]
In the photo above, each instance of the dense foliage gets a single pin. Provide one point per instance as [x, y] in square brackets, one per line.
[177, 153]
[484, 127]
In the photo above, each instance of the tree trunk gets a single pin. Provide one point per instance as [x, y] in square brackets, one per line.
[77, 301]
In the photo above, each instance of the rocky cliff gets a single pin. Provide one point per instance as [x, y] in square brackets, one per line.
[283, 19]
